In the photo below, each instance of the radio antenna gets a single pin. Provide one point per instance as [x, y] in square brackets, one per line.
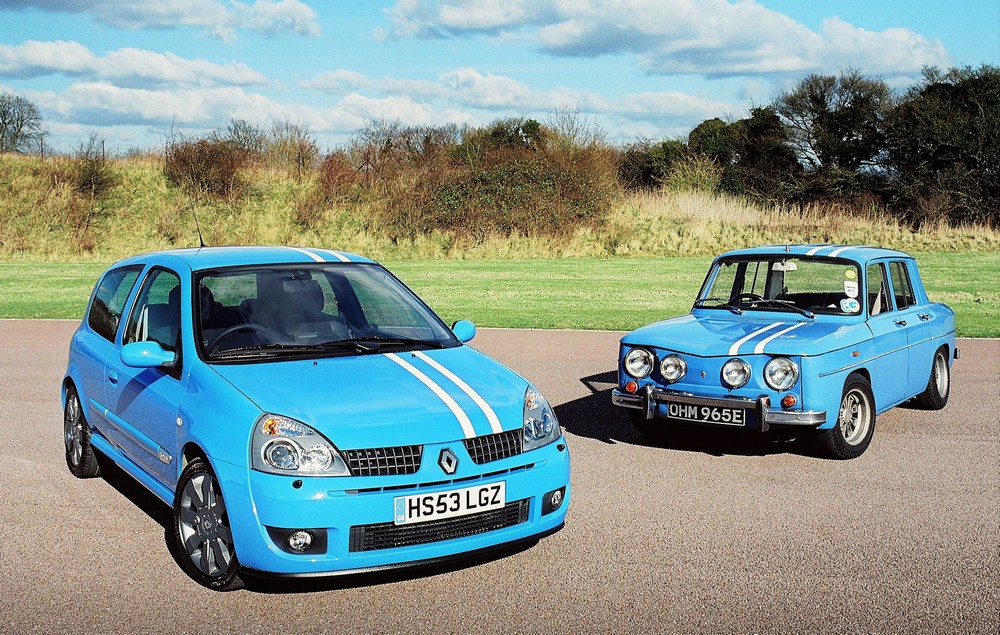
[197, 226]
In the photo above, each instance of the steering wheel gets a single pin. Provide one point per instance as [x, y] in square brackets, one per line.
[242, 326]
[752, 297]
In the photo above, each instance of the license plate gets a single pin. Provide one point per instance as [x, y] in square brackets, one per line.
[420, 508]
[707, 414]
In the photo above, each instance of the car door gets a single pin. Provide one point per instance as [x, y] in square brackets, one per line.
[143, 402]
[919, 327]
[888, 327]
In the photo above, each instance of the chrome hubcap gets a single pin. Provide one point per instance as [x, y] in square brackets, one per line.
[203, 526]
[855, 417]
[73, 431]
[941, 375]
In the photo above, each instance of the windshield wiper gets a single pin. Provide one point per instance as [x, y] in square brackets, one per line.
[359, 345]
[735, 309]
[375, 341]
[261, 350]
[788, 304]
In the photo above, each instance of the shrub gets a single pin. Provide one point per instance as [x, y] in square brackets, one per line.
[291, 147]
[209, 166]
[94, 174]
[644, 165]
[693, 173]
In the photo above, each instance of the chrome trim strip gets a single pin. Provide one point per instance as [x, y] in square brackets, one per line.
[767, 340]
[491, 416]
[795, 418]
[463, 419]
[735, 348]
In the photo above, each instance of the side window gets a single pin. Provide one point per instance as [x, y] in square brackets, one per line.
[156, 315]
[878, 290]
[109, 300]
[901, 285]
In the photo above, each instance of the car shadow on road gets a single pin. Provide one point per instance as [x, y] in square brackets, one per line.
[594, 417]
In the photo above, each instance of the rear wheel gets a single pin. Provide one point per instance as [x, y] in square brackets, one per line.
[80, 457]
[202, 532]
[852, 434]
[935, 396]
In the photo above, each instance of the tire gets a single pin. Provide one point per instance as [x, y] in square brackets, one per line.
[80, 457]
[935, 396]
[202, 533]
[852, 433]
[653, 429]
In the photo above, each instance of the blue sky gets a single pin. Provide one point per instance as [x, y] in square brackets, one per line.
[637, 69]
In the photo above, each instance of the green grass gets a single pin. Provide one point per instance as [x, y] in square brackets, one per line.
[614, 294]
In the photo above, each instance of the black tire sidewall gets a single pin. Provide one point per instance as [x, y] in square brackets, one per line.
[88, 466]
[833, 438]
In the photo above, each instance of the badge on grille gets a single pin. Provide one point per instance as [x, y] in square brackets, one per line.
[448, 461]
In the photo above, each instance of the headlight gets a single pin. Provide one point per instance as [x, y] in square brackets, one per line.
[736, 372]
[540, 424]
[673, 367]
[781, 373]
[639, 362]
[284, 446]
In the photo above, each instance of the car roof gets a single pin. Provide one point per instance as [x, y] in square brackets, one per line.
[857, 253]
[201, 258]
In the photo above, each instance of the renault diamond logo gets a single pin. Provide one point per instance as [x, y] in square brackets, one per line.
[448, 461]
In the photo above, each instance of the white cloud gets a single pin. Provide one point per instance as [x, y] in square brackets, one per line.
[715, 38]
[223, 19]
[336, 82]
[127, 67]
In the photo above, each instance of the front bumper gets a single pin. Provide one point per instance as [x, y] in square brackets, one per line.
[346, 510]
[654, 401]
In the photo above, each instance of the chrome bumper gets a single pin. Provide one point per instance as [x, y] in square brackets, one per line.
[651, 397]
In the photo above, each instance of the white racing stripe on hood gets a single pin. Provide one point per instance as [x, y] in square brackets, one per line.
[463, 419]
[767, 340]
[735, 348]
[467, 389]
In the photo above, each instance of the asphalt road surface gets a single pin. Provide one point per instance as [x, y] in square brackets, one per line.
[722, 534]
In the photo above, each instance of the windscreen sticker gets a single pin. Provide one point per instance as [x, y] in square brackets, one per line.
[850, 305]
[851, 274]
[851, 288]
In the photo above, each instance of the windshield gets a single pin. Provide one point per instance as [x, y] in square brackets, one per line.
[772, 283]
[310, 310]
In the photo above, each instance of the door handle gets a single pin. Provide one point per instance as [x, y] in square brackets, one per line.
[924, 316]
[900, 322]
[112, 377]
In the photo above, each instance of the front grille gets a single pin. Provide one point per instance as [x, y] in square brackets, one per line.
[404, 459]
[389, 535]
[494, 447]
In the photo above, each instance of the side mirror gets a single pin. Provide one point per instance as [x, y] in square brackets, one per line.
[464, 330]
[147, 355]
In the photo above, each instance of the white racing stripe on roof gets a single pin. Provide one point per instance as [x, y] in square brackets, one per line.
[336, 254]
[837, 252]
[767, 340]
[308, 253]
[491, 416]
[735, 348]
[812, 252]
[463, 419]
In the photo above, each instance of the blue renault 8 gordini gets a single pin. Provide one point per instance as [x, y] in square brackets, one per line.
[809, 337]
[304, 413]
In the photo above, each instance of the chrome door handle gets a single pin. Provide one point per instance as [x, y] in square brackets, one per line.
[900, 322]
[113, 377]
[924, 316]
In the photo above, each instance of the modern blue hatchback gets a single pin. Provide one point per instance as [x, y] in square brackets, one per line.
[809, 337]
[304, 413]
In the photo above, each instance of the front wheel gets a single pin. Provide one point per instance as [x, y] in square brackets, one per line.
[935, 396]
[852, 434]
[80, 457]
[202, 532]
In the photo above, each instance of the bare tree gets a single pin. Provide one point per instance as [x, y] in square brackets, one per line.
[20, 123]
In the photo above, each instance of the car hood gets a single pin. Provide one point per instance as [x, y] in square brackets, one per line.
[381, 400]
[784, 334]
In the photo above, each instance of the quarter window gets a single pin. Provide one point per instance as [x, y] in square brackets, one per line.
[109, 300]
[878, 290]
[901, 285]
[156, 316]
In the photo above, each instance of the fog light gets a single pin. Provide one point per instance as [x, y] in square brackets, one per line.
[553, 500]
[631, 387]
[788, 401]
[300, 540]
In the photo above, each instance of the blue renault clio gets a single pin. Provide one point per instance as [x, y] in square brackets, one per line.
[304, 413]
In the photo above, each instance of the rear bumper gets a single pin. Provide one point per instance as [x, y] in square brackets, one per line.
[653, 402]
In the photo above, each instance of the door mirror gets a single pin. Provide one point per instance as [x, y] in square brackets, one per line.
[464, 330]
[147, 355]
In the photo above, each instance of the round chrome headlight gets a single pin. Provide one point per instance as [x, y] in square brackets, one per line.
[781, 373]
[673, 367]
[736, 373]
[639, 363]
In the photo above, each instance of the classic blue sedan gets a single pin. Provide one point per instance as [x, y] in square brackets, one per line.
[814, 337]
[304, 413]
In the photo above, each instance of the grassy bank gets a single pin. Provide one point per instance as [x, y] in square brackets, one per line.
[577, 293]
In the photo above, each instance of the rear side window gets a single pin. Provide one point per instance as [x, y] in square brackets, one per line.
[109, 300]
[901, 285]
